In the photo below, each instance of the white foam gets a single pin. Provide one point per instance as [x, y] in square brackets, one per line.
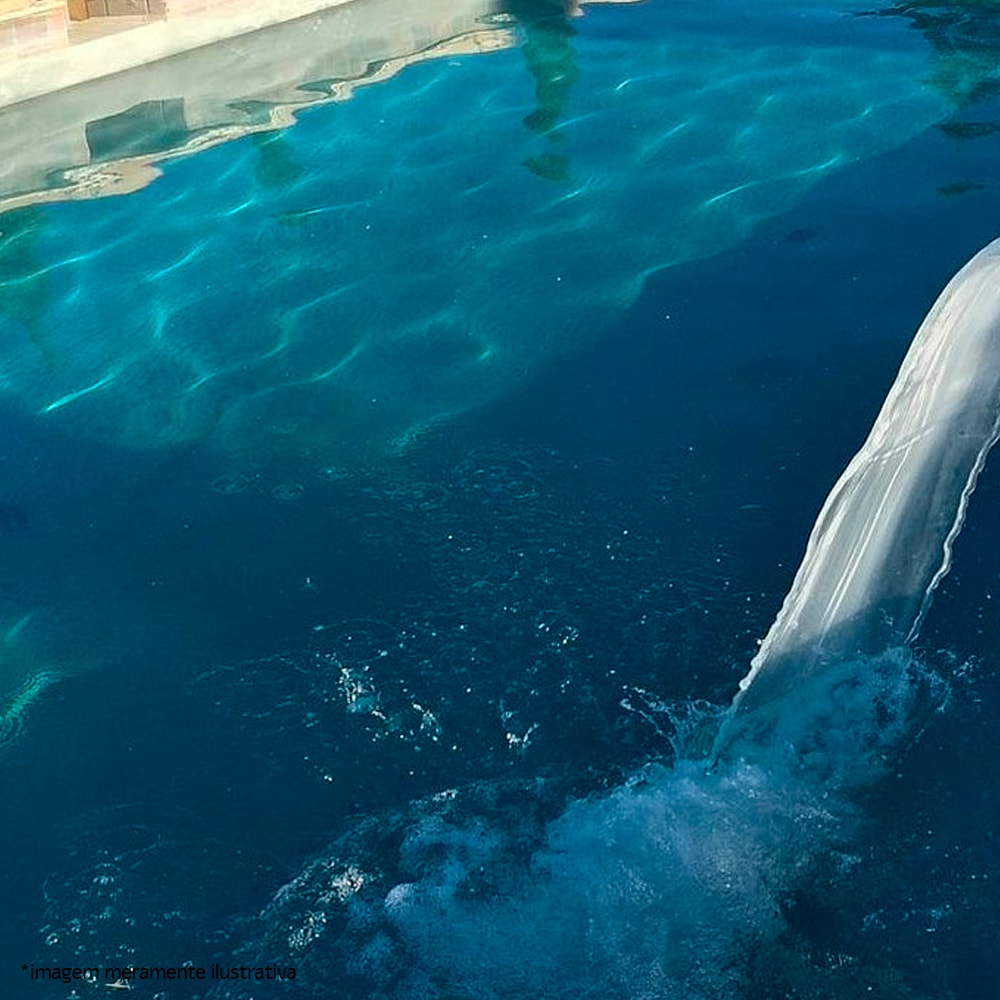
[653, 890]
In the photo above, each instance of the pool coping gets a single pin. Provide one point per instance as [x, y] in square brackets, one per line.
[98, 47]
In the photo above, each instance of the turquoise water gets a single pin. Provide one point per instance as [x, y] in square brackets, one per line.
[386, 501]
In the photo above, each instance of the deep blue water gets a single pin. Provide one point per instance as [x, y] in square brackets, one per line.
[449, 442]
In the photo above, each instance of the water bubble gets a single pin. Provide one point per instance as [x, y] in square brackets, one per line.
[334, 473]
[228, 485]
[288, 491]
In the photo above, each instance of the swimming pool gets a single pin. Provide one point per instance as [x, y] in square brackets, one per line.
[393, 488]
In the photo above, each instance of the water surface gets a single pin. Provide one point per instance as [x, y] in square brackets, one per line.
[463, 437]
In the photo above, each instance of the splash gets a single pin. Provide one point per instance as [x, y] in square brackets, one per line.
[660, 888]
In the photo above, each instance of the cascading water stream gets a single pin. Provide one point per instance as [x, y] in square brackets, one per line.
[883, 539]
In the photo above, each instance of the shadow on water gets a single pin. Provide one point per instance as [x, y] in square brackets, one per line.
[551, 61]
[965, 37]
[278, 165]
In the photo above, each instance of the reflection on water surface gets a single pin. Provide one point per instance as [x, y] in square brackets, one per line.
[338, 287]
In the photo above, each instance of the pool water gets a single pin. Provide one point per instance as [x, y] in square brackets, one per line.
[389, 505]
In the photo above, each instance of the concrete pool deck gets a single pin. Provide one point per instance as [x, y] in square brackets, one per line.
[54, 53]
[52, 45]
[106, 135]
[95, 116]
